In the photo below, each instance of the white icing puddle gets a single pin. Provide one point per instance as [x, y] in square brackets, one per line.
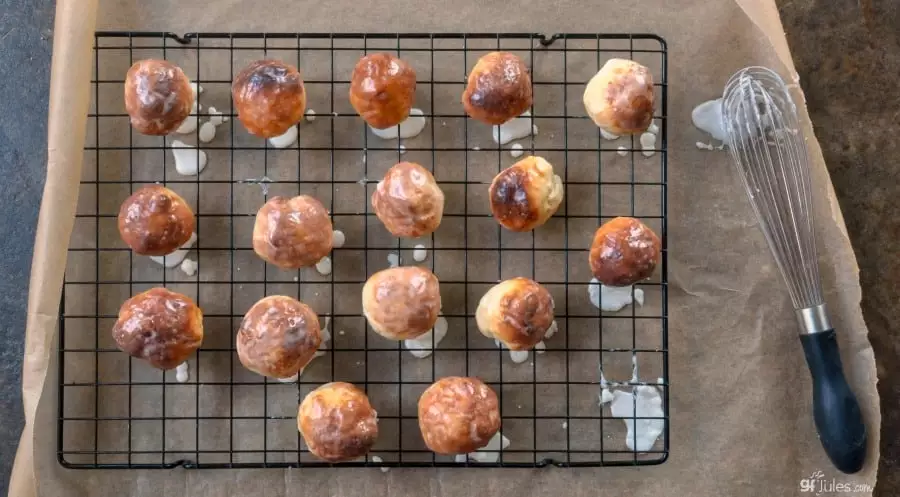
[310, 115]
[338, 239]
[643, 401]
[648, 144]
[487, 454]
[175, 258]
[290, 379]
[606, 396]
[285, 140]
[208, 129]
[518, 356]
[189, 267]
[515, 129]
[517, 150]
[189, 125]
[607, 135]
[189, 161]
[554, 327]
[182, 373]
[394, 259]
[379, 460]
[216, 117]
[710, 146]
[410, 127]
[420, 253]
[207, 132]
[425, 344]
[324, 266]
[708, 117]
[613, 298]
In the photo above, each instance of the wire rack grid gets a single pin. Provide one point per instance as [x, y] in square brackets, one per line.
[117, 412]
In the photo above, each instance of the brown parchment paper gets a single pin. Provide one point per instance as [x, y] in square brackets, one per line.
[739, 395]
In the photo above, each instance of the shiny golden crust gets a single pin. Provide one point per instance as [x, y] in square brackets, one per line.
[525, 195]
[278, 337]
[518, 312]
[155, 221]
[458, 415]
[498, 89]
[402, 302]
[619, 98]
[382, 89]
[269, 97]
[337, 422]
[159, 326]
[408, 201]
[624, 251]
[158, 96]
[292, 233]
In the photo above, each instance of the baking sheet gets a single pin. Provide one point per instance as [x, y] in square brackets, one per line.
[740, 418]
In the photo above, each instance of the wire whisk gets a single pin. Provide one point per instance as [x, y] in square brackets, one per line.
[766, 144]
[769, 150]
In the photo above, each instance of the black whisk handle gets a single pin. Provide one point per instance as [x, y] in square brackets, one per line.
[835, 409]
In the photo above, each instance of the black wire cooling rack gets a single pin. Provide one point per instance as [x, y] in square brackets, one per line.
[116, 412]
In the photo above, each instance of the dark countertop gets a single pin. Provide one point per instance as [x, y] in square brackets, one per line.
[25, 46]
[846, 51]
[848, 55]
